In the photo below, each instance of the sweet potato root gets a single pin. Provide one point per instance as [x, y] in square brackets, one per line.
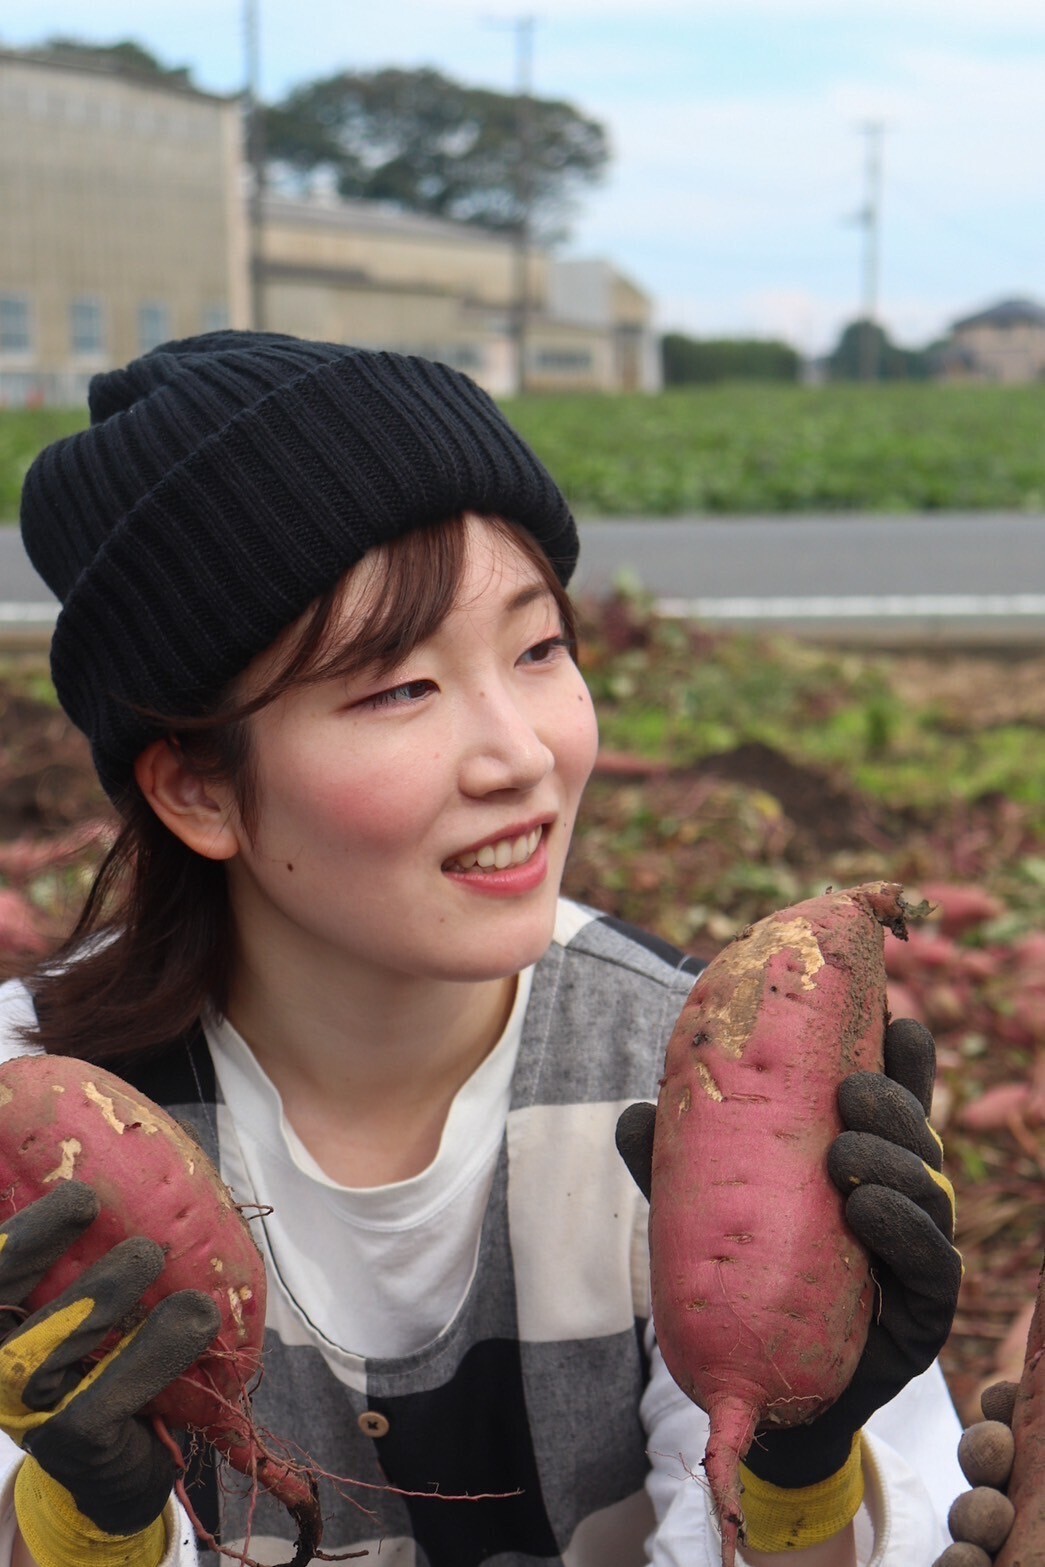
[761, 1293]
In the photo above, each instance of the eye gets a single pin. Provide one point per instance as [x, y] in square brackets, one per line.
[400, 696]
[545, 651]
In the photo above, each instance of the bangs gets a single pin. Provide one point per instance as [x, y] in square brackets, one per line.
[409, 588]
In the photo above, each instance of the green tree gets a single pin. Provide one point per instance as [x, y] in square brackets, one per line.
[429, 144]
[688, 361]
[126, 57]
[865, 352]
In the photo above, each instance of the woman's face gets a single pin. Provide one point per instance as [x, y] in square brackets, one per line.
[418, 822]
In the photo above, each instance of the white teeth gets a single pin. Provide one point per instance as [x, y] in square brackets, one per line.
[498, 856]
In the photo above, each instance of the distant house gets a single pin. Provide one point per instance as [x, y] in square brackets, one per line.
[1005, 343]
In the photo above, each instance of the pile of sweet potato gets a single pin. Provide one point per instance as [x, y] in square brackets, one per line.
[956, 976]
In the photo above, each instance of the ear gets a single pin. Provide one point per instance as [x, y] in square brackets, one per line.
[199, 811]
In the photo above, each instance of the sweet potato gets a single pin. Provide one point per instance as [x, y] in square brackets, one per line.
[1025, 1546]
[960, 906]
[63, 1119]
[761, 1293]
[20, 932]
[926, 952]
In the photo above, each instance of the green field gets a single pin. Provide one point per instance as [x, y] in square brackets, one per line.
[22, 434]
[749, 448]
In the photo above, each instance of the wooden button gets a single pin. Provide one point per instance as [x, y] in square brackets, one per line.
[373, 1424]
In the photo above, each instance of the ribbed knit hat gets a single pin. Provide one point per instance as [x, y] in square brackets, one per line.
[224, 482]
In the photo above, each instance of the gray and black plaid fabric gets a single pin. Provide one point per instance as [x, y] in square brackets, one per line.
[530, 1398]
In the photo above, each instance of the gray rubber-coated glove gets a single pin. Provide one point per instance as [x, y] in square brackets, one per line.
[81, 1420]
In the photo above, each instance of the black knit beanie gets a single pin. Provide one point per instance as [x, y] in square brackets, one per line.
[224, 482]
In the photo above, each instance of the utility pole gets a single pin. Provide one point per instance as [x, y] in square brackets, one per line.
[522, 26]
[255, 137]
[524, 191]
[524, 182]
[870, 219]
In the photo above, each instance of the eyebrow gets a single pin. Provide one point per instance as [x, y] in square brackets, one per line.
[527, 596]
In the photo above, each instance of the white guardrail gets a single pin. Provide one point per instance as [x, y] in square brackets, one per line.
[857, 606]
[999, 617]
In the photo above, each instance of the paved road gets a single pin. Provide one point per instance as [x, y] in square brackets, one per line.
[979, 576]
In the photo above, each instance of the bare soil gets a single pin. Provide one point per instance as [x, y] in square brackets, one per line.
[648, 837]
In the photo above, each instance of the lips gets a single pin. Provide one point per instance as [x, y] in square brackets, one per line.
[498, 855]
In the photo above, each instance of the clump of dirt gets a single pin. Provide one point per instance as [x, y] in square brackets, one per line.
[825, 816]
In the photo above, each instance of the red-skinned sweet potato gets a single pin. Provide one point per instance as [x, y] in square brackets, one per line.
[761, 1293]
[961, 906]
[64, 1119]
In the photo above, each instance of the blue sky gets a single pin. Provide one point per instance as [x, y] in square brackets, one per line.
[739, 158]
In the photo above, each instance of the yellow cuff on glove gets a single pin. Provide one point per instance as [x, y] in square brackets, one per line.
[776, 1519]
[58, 1534]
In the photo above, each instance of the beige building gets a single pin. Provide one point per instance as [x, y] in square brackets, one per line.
[125, 222]
[357, 272]
[122, 221]
[1005, 343]
[595, 295]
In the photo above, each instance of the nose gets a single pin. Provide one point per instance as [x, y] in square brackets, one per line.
[504, 750]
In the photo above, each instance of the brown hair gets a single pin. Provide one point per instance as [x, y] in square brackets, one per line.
[152, 944]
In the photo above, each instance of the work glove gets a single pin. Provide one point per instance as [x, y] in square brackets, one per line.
[98, 1477]
[981, 1519]
[887, 1163]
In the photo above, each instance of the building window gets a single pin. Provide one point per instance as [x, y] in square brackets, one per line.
[215, 318]
[16, 335]
[562, 359]
[153, 326]
[465, 357]
[87, 326]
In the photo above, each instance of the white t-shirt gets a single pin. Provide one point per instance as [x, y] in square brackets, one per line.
[397, 1259]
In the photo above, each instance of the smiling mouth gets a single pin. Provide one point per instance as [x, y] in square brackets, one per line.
[497, 856]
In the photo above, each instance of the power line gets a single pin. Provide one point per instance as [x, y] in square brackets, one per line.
[982, 235]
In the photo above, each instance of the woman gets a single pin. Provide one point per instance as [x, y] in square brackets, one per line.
[315, 627]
